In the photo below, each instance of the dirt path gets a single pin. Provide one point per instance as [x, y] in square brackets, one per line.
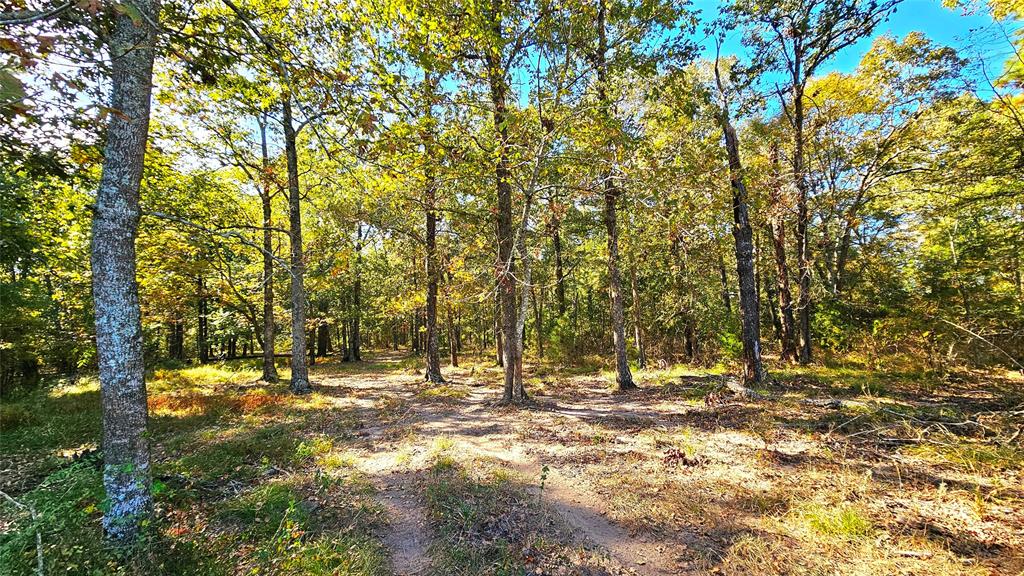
[407, 538]
[475, 428]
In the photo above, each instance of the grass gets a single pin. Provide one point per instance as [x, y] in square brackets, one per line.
[253, 480]
[843, 521]
[443, 392]
[486, 522]
[242, 485]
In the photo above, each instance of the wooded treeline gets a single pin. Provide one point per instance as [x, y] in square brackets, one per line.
[573, 181]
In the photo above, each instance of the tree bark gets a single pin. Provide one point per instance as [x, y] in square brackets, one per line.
[638, 332]
[357, 297]
[776, 227]
[750, 314]
[623, 377]
[538, 320]
[203, 329]
[769, 291]
[300, 372]
[499, 348]
[433, 371]
[723, 278]
[514, 392]
[126, 461]
[269, 367]
[556, 240]
[802, 222]
[453, 339]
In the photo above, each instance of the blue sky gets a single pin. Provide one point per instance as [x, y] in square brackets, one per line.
[942, 25]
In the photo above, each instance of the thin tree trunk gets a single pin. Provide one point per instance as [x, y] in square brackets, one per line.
[960, 286]
[723, 277]
[500, 350]
[269, 367]
[300, 373]
[802, 222]
[506, 273]
[750, 314]
[538, 319]
[769, 291]
[638, 333]
[126, 462]
[453, 340]
[433, 371]
[357, 297]
[556, 240]
[623, 377]
[202, 332]
[776, 227]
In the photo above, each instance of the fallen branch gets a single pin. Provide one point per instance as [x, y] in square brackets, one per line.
[834, 403]
[35, 524]
[734, 386]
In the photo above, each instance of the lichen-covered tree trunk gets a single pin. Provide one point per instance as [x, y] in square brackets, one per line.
[126, 471]
[269, 366]
[623, 377]
[300, 372]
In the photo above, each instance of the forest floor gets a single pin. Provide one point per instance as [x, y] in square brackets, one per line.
[841, 470]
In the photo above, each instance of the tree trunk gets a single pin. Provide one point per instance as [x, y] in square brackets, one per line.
[323, 338]
[346, 351]
[269, 367]
[723, 277]
[623, 377]
[538, 319]
[500, 350]
[802, 222]
[638, 333]
[357, 297]
[433, 371]
[126, 463]
[453, 339]
[750, 314]
[776, 227]
[556, 240]
[202, 332]
[769, 292]
[300, 373]
[506, 273]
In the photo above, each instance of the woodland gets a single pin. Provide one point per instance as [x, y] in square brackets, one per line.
[511, 287]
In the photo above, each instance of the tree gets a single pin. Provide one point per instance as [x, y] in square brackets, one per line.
[797, 37]
[750, 314]
[612, 193]
[126, 472]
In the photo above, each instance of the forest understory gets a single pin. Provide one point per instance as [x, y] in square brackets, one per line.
[839, 469]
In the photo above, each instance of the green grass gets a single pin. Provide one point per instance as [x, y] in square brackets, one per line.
[261, 511]
[841, 521]
[486, 522]
[241, 486]
[442, 392]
